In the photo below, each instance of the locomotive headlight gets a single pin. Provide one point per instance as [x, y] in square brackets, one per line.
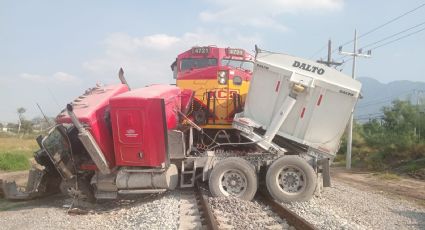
[222, 77]
[237, 80]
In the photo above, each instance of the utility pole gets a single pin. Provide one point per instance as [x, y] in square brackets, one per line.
[356, 53]
[417, 130]
[329, 61]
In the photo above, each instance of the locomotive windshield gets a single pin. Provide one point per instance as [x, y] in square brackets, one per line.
[245, 65]
[196, 63]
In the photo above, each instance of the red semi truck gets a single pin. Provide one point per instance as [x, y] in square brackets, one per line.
[112, 140]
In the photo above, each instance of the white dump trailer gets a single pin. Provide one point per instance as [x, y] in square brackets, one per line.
[297, 107]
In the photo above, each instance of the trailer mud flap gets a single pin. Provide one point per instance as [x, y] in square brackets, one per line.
[37, 186]
[325, 172]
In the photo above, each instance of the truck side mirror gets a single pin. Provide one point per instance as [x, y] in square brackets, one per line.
[174, 69]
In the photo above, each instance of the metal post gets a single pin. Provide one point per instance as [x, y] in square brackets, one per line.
[350, 126]
[44, 115]
[355, 54]
[329, 61]
[329, 53]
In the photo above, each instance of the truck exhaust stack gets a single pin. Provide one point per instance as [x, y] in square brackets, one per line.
[89, 143]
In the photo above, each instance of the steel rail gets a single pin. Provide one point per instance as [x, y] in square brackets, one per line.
[283, 212]
[211, 221]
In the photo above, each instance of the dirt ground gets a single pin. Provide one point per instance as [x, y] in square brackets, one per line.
[20, 177]
[406, 188]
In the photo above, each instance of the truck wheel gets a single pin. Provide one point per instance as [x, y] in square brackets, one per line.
[233, 177]
[291, 178]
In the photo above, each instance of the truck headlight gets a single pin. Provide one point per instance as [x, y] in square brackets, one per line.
[222, 77]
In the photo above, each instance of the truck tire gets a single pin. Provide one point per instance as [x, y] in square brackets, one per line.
[291, 178]
[234, 177]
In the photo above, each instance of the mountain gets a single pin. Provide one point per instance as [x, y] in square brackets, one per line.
[376, 95]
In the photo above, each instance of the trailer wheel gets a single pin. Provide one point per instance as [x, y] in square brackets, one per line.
[233, 177]
[290, 178]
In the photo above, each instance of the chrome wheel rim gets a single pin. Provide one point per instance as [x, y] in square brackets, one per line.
[291, 180]
[233, 183]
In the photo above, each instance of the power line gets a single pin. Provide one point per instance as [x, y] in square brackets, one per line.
[344, 61]
[392, 41]
[398, 94]
[376, 103]
[369, 115]
[318, 51]
[370, 118]
[382, 25]
[329, 61]
[373, 101]
[393, 35]
[392, 20]
[383, 99]
[387, 43]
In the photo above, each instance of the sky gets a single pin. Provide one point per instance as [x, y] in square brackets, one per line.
[51, 51]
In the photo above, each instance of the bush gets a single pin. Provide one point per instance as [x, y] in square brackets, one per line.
[376, 161]
[13, 161]
[412, 166]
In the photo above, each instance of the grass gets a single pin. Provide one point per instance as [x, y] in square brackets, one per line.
[8, 205]
[413, 166]
[15, 153]
[387, 176]
[339, 160]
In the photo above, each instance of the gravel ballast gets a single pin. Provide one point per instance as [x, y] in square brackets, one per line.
[339, 207]
[149, 212]
[346, 207]
[234, 213]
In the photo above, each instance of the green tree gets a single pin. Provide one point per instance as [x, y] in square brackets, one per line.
[20, 111]
[27, 126]
[395, 138]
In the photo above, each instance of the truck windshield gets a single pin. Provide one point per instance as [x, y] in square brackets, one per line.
[196, 63]
[245, 65]
[56, 142]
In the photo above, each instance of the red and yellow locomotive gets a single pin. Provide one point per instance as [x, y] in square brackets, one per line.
[220, 80]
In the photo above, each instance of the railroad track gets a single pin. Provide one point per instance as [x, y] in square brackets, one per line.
[195, 211]
[199, 211]
[291, 217]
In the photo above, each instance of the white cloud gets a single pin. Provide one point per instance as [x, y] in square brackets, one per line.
[57, 77]
[158, 41]
[123, 42]
[32, 77]
[64, 77]
[147, 59]
[264, 14]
